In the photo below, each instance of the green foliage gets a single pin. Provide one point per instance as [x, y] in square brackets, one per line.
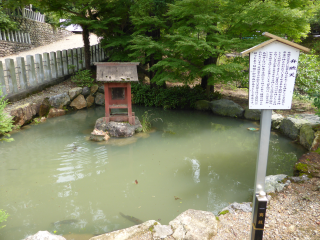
[169, 98]
[6, 123]
[83, 78]
[3, 217]
[6, 23]
[308, 74]
[223, 212]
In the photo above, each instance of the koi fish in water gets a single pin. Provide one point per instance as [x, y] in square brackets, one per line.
[136, 181]
[131, 219]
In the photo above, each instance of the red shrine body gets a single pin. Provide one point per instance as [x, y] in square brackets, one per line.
[117, 78]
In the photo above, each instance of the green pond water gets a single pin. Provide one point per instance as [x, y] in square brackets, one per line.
[52, 178]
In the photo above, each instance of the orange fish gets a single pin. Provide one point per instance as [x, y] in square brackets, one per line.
[136, 181]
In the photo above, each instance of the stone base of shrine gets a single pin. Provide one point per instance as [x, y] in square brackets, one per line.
[117, 128]
[121, 118]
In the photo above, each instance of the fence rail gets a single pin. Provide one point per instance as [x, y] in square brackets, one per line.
[15, 36]
[26, 13]
[20, 75]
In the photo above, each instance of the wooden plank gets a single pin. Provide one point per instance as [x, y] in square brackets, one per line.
[32, 71]
[70, 61]
[97, 53]
[54, 67]
[79, 54]
[4, 35]
[75, 59]
[39, 66]
[59, 64]
[65, 62]
[22, 73]
[91, 55]
[83, 58]
[46, 66]
[2, 82]
[11, 75]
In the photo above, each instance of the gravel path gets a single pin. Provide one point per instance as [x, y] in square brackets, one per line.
[73, 41]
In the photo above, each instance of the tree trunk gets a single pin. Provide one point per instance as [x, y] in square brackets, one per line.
[204, 80]
[86, 41]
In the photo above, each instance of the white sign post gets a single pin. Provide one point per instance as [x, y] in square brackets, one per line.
[273, 68]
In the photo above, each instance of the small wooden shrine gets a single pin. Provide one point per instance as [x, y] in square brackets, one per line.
[117, 78]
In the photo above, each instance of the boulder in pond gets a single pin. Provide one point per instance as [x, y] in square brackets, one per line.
[23, 113]
[44, 235]
[276, 120]
[306, 136]
[291, 125]
[312, 119]
[90, 100]
[194, 224]
[94, 89]
[245, 207]
[44, 108]
[79, 102]
[308, 164]
[60, 100]
[118, 129]
[252, 114]
[99, 100]
[74, 92]
[56, 112]
[226, 107]
[202, 105]
[142, 231]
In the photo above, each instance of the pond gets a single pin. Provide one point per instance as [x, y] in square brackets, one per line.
[52, 178]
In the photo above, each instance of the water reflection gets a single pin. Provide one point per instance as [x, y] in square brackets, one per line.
[191, 161]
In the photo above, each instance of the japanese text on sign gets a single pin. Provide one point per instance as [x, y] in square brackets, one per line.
[273, 71]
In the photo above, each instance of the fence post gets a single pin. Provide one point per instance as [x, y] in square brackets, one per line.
[79, 54]
[0, 35]
[16, 36]
[40, 73]
[23, 12]
[75, 59]
[29, 37]
[97, 53]
[53, 60]
[65, 62]
[59, 64]
[26, 37]
[46, 66]
[4, 35]
[22, 73]
[12, 38]
[2, 82]
[9, 39]
[70, 61]
[32, 71]
[11, 75]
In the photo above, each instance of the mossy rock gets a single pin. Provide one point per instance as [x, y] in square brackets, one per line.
[202, 105]
[308, 164]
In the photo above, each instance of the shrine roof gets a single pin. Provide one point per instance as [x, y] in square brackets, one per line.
[117, 71]
[273, 39]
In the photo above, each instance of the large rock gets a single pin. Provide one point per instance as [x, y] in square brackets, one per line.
[99, 100]
[290, 126]
[312, 119]
[225, 107]
[246, 207]
[94, 89]
[194, 224]
[44, 108]
[118, 129]
[74, 92]
[252, 114]
[306, 136]
[273, 183]
[24, 113]
[316, 141]
[141, 231]
[86, 91]
[79, 102]
[56, 112]
[308, 164]
[101, 89]
[276, 120]
[60, 100]
[90, 100]
[202, 105]
[44, 235]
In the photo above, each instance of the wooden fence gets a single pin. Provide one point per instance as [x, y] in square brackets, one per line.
[18, 76]
[15, 36]
[26, 13]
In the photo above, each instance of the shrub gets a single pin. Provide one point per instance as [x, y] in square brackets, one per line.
[83, 78]
[169, 98]
[6, 123]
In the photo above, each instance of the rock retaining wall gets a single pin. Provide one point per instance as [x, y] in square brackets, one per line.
[9, 48]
